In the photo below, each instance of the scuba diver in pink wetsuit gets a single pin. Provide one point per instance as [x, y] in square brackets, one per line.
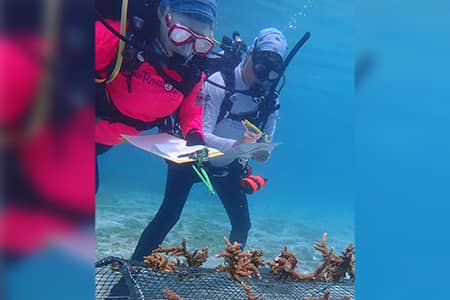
[161, 74]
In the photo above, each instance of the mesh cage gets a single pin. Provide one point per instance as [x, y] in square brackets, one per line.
[119, 279]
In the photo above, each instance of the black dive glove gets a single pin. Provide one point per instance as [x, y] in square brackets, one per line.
[194, 138]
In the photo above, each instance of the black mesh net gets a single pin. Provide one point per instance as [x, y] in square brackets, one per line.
[119, 279]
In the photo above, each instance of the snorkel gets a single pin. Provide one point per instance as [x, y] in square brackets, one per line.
[272, 91]
[237, 51]
[268, 99]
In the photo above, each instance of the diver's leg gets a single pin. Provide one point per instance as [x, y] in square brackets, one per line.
[235, 202]
[178, 184]
[99, 149]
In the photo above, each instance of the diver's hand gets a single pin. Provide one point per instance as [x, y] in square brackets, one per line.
[194, 138]
[248, 138]
[261, 156]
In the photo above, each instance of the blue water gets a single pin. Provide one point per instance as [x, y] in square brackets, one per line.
[402, 125]
[310, 175]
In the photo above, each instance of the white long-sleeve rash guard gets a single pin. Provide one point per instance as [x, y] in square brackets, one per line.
[224, 134]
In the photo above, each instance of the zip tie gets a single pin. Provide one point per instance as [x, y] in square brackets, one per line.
[205, 178]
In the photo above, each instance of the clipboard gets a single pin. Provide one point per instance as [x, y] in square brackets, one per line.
[168, 147]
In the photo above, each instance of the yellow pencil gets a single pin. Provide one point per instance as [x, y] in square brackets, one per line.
[247, 124]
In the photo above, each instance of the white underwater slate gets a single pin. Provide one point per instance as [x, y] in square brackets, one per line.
[242, 150]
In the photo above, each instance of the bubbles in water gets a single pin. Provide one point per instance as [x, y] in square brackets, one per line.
[301, 13]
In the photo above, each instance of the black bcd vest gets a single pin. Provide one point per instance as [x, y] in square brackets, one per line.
[266, 104]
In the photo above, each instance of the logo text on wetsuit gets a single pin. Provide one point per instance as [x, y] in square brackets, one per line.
[149, 79]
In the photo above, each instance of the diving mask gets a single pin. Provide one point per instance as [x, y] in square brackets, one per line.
[181, 35]
[267, 65]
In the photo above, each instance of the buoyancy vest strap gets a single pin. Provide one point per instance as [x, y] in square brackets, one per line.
[252, 117]
[259, 117]
[225, 107]
[178, 85]
[106, 110]
[267, 109]
[185, 86]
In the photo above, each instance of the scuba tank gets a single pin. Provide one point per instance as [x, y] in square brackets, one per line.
[144, 9]
[231, 55]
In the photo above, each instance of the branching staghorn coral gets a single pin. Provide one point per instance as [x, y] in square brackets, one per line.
[160, 263]
[195, 259]
[326, 296]
[284, 265]
[335, 267]
[171, 295]
[238, 263]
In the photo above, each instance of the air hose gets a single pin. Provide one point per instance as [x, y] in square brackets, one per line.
[123, 28]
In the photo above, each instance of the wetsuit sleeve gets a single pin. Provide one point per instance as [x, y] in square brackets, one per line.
[191, 110]
[106, 44]
[213, 101]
